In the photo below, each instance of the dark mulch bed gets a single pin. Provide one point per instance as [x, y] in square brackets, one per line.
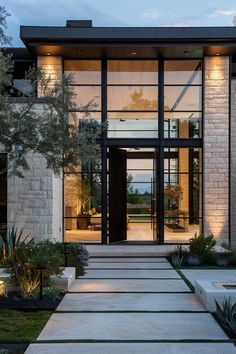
[230, 334]
[14, 300]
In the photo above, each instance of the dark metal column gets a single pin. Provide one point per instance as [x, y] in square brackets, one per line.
[104, 152]
[160, 163]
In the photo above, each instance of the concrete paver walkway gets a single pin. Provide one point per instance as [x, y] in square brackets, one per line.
[132, 306]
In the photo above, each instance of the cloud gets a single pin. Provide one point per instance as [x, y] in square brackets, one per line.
[222, 12]
[151, 15]
[26, 12]
[234, 21]
[178, 24]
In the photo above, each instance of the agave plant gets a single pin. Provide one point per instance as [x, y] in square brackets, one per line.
[9, 242]
[226, 313]
[177, 260]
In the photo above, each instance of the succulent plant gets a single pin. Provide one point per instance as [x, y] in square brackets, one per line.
[226, 313]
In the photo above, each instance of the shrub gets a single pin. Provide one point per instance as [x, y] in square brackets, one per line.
[226, 313]
[222, 259]
[77, 256]
[9, 242]
[50, 292]
[233, 258]
[28, 259]
[193, 260]
[203, 247]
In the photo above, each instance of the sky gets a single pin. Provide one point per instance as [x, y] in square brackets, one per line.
[115, 13]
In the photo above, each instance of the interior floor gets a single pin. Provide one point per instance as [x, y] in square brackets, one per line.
[136, 232]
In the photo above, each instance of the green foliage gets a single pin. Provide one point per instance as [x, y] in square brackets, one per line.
[77, 256]
[193, 260]
[21, 326]
[222, 259]
[4, 40]
[178, 256]
[51, 292]
[177, 260]
[203, 247]
[9, 242]
[232, 260]
[24, 129]
[27, 260]
[226, 313]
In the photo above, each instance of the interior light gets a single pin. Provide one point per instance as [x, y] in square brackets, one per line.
[48, 53]
[134, 53]
[217, 54]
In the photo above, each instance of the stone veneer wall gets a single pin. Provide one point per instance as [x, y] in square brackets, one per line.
[32, 201]
[216, 147]
[35, 202]
[233, 163]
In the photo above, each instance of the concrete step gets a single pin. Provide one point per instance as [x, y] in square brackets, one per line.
[129, 265]
[130, 250]
[129, 285]
[129, 302]
[131, 327]
[132, 348]
[131, 274]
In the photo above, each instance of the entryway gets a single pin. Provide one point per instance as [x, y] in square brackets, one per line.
[133, 304]
[133, 194]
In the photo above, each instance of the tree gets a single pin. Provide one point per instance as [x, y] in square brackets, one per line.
[40, 124]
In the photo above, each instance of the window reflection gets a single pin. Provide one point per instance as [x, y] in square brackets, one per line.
[182, 205]
[132, 72]
[84, 71]
[182, 72]
[182, 98]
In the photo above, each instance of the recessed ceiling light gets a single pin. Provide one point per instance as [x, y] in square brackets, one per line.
[48, 53]
[217, 54]
[134, 53]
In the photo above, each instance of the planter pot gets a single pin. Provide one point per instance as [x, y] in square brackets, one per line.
[83, 222]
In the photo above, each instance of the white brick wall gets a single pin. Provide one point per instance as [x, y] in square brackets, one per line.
[216, 147]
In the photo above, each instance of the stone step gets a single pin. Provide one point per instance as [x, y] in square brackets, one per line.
[128, 260]
[129, 285]
[130, 250]
[131, 274]
[131, 326]
[123, 265]
[132, 348]
[130, 302]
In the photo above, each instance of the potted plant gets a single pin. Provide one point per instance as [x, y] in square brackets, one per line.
[85, 196]
[175, 193]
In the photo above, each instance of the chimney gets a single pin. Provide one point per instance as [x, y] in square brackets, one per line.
[79, 23]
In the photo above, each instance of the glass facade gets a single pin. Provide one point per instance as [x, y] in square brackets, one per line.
[132, 98]
[155, 110]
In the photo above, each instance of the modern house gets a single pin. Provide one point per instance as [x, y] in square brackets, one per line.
[167, 164]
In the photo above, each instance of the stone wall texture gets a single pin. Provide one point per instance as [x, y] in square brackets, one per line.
[233, 163]
[35, 202]
[216, 147]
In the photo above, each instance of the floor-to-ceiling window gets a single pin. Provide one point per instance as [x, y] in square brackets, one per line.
[82, 188]
[182, 164]
[132, 98]
[141, 102]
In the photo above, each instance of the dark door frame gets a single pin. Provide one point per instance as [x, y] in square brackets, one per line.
[159, 143]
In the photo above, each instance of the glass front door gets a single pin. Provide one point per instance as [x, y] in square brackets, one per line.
[133, 204]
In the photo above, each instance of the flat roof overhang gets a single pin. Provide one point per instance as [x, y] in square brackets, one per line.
[122, 42]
